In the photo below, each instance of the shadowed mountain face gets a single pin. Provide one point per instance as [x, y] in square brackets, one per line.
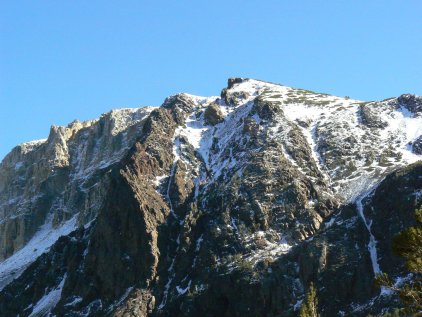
[218, 206]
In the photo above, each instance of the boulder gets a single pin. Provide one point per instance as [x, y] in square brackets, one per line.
[417, 146]
[213, 114]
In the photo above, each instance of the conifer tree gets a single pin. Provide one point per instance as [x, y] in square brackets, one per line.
[309, 307]
[408, 244]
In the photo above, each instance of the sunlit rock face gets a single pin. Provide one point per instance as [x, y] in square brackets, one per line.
[212, 206]
[48, 182]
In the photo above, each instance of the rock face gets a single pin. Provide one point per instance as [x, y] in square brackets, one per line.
[219, 206]
[44, 184]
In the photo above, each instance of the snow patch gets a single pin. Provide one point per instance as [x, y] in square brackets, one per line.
[181, 290]
[13, 267]
[198, 243]
[46, 304]
[75, 300]
[159, 179]
[298, 304]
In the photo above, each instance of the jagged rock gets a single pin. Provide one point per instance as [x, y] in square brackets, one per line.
[61, 175]
[234, 80]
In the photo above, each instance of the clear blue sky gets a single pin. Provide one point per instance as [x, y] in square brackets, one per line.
[61, 60]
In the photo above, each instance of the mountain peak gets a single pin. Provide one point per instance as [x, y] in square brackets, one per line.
[169, 210]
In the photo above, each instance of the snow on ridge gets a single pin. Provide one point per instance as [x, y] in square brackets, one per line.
[200, 100]
[120, 120]
[12, 267]
[313, 113]
[257, 87]
[125, 117]
[254, 88]
[29, 146]
[253, 84]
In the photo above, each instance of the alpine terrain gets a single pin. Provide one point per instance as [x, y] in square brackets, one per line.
[229, 205]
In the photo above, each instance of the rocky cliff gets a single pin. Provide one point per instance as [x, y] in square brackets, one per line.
[217, 206]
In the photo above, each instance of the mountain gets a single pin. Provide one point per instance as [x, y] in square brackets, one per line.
[212, 206]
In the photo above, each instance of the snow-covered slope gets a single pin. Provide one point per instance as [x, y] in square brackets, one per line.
[40, 243]
[348, 148]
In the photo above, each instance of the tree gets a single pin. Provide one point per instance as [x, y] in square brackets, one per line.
[309, 307]
[408, 244]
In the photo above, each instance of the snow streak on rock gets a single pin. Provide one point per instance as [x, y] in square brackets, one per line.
[12, 267]
[372, 245]
[45, 305]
